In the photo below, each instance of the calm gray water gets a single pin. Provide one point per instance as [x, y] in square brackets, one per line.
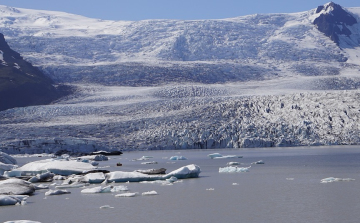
[265, 194]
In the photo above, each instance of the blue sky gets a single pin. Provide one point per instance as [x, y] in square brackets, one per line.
[172, 9]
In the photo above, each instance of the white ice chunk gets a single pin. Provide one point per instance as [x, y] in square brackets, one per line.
[233, 169]
[16, 186]
[60, 167]
[98, 189]
[233, 163]
[189, 171]
[258, 162]
[95, 157]
[212, 155]
[56, 192]
[41, 187]
[333, 179]
[127, 194]
[151, 162]
[22, 221]
[228, 157]
[12, 199]
[149, 193]
[94, 177]
[178, 158]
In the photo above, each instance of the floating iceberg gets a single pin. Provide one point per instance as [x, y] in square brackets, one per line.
[60, 167]
[13, 199]
[213, 155]
[149, 193]
[143, 158]
[127, 194]
[258, 162]
[333, 179]
[94, 178]
[22, 221]
[16, 187]
[94, 157]
[73, 185]
[233, 169]
[178, 158]
[56, 192]
[233, 163]
[228, 157]
[219, 156]
[44, 177]
[106, 207]
[151, 162]
[189, 171]
[107, 189]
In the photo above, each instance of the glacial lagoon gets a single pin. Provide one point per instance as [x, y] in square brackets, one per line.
[286, 188]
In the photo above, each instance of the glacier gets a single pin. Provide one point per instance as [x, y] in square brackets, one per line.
[263, 80]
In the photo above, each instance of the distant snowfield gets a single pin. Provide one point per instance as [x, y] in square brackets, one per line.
[76, 49]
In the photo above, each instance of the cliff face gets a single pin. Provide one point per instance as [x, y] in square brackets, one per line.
[21, 84]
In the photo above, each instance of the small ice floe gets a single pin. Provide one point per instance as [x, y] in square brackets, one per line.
[106, 207]
[233, 163]
[22, 221]
[13, 199]
[333, 179]
[56, 192]
[235, 184]
[43, 177]
[152, 171]
[149, 193]
[178, 158]
[127, 194]
[143, 158]
[151, 162]
[73, 185]
[219, 156]
[210, 189]
[258, 162]
[94, 178]
[289, 178]
[41, 187]
[233, 169]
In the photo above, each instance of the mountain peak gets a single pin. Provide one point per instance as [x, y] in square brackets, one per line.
[333, 20]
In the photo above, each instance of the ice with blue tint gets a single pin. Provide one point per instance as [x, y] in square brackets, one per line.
[178, 158]
[233, 169]
[13, 199]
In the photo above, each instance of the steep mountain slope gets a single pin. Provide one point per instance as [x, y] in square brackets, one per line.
[21, 84]
[71, 48]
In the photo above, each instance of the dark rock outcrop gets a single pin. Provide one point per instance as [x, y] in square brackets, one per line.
[334, 21]
[21, 84]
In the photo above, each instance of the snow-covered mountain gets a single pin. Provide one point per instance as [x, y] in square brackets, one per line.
[251, 81]
[72, 48]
